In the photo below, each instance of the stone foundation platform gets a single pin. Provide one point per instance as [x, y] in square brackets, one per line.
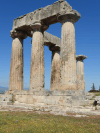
[53, 102]
[51, 98]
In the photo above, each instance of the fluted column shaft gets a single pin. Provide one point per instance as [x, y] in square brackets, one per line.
[16, 67]
[80, 72]
[55, 70]
[68, 57]
[37, 59]
[80, 75]
[37, 62]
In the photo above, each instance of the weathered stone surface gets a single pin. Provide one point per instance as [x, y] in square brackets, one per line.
[52, 41]
[54, 98]
[55, 70]
[55, 110]
[5, 97]
[37, 59]
[80, 72]
[47, 15]
[16, 67]
[68, 57]
[49, 40]
[50, 93]
[18, 34]
[5, 103]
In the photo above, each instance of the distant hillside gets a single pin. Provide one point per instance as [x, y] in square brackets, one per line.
[3, 89]
[2, 92]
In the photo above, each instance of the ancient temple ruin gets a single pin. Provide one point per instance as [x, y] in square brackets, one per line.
[67, 88]
[63, 77]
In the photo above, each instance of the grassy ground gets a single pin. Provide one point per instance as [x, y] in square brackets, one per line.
[29, 122]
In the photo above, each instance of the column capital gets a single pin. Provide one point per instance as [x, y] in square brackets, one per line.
[54, 48]
[72, 16]
[80, 57]
[39, 25]
[19, 34]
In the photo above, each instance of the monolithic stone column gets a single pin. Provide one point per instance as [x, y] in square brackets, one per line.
[37, 57]
[68, 54]
[16, 67]
[55, 70]
[80, 72]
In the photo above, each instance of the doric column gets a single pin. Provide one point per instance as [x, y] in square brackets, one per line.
[37, 57]
[16, 67]
[55, 70]
[68, 54]
[80, 72]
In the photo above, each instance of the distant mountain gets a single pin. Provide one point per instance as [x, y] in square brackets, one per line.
[3, 89]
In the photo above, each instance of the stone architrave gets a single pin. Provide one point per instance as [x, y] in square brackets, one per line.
[68, 54]
[55, 70]
[16, 67]
[47, 14]
[37, 57]
[80, 72]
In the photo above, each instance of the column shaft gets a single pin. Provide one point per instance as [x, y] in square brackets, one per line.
[80, 76]
[68, 57]
[55, 70]
[16, 67]
[37, 62]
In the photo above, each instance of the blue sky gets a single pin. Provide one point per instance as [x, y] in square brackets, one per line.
[87, 38]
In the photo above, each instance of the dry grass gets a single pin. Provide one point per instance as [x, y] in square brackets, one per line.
[29, 122]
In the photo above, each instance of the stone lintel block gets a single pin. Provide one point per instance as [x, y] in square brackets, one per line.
[81, 57]
[47, 15]
[49, 40]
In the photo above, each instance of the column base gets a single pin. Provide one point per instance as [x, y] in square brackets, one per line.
[67, 87]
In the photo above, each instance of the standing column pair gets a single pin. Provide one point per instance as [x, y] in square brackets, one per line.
[37, 57]
[16, 67]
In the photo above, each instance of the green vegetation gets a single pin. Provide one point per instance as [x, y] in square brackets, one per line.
[28, 122]
[97, 94]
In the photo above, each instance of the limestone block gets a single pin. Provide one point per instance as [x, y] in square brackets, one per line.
[49, 38]
[47, 14]
[5, 103]
[5, 97]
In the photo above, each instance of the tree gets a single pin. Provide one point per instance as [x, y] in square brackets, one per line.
[99, 88]
[93, 87]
